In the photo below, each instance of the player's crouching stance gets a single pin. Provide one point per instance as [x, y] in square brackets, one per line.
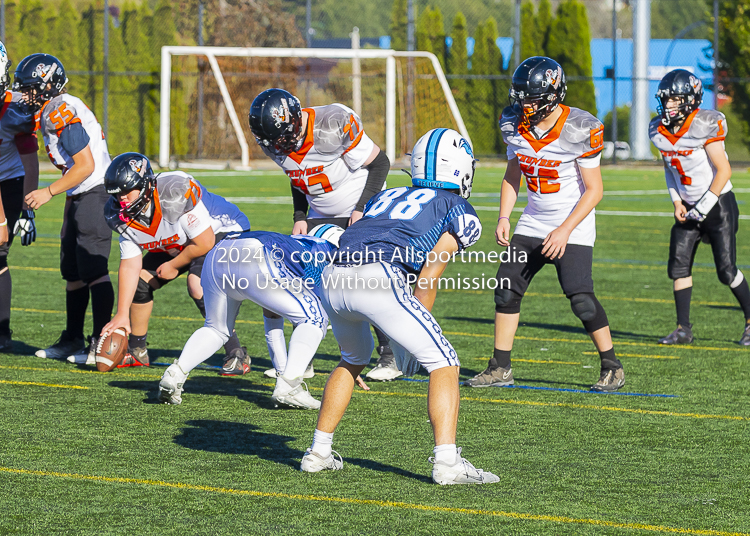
[691, 142]
[558, 150]
[399, 226]
[281, 274]
[176, 221]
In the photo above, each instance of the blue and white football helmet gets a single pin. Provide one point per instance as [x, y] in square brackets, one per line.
[442, 158]
[328, 232]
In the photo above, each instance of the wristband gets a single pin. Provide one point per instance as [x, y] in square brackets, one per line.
[49, 189]
[4, 223]
[504, 218]
[707, 202]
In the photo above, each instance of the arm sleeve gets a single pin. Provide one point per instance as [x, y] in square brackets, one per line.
[195, 221]
[299, 200]
[26, 143]
[128, 248]
[73, 138]
[378, 172]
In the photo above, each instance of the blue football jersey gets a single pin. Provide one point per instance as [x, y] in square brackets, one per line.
[304, 255]
[401, 225]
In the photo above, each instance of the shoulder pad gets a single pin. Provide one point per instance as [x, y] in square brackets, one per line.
[15, 119]
[336, 128]
[708, 125]
[176, 194]
[653, 127]
[112, 216]
[57, 114]
[509, 121]
[582, 133]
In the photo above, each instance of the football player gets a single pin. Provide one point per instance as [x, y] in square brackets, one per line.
[176, 221]
[691, 143]
[19, 174]
[557, 150]
[334, 168]
[76, 145]
[281, 274]
[405, 232]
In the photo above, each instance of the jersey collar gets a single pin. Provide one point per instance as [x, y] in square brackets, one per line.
[155, 221]
[300, 154]
[674, 138]
[551, 136]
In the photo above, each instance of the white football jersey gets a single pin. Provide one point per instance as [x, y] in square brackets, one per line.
[60, 112]
[689, 171]
[327, 168]
[551, 168]
[181, 210]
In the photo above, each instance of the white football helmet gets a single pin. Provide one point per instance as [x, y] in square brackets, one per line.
[328, 232]
[442, 158]
[4, 68]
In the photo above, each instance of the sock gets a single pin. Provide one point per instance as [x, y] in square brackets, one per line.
[102, 302]
[322, 443]
[201, 306]
[500, 359]
[446, 454]
[137, 341]
[76, 303]
[609, 360]
[383, 339]
[682, 303]
[232, 344]
[302, 347]
[276, 342]
[200, 346]
[742, 293]
[6, 286]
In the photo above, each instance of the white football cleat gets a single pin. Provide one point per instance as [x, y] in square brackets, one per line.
[463, 472]
[271, 373]
[385, 371]
[297, 397]
[309, 372]
[64, 347]
[171, 385]
[312, 462]
[84, 358]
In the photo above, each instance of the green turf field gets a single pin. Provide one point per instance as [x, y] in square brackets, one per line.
[91, 453]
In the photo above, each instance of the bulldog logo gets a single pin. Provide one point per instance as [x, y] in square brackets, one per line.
[696, 83]
[138, 166]
[44, 71]
[552, 77]
[280, 114]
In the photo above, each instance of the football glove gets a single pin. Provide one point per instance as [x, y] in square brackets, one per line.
[702, 207]
[25, 227]
[405, 361]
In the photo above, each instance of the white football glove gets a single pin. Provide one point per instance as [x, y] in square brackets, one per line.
[25, 228]
[405, 361]
[702, 207]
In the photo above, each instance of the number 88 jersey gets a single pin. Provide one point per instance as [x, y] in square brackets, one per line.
[550, 165]
[401, 225]
[688, 170]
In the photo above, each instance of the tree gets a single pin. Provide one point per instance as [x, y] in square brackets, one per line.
[431, 33]
[68, 50]
[623, 124]
[570, 45]
[32, 29]
[668, 18]
[499, 94]
[531, 39]
[480, 94]
[734, 44]
[458, 61]
[544, 23]
[399, 23]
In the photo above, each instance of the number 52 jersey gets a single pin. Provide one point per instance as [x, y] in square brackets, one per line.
[551, 165]
[688, 169]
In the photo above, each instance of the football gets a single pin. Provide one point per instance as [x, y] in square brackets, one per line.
[111, 350]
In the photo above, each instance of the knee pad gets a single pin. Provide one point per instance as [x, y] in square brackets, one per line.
[588, 309]
[507, 302]
[143, 292]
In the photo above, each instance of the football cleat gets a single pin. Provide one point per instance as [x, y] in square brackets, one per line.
[463, 472]
[681, 335]
[385, 369]
[744, 341]
[610, 380]
[236, 363]
[312, 462]
[309, 372]
[171, 385]
[297, 397]
[64, 347]
[136, 357]
[86, 358]
[6, 342]
[497, 377]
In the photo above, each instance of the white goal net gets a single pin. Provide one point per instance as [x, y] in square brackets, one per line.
[206, 94]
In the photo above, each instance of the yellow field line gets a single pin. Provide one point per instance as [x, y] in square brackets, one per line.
[75, 371]
[634, 355]
[34, 268]
[382, 504]
[38, 384]
[547, 361]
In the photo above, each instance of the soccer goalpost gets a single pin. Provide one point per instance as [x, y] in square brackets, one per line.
[355, 86]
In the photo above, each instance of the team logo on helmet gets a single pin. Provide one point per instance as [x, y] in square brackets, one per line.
[696, 83]
[139, 166]
[280, 114]
[44, 71]
[466, 147]
[552, 78]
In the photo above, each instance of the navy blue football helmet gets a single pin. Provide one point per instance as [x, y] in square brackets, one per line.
[276, 120]
[538, 87]
[39, 77]
[131, 171]
[684, 86]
